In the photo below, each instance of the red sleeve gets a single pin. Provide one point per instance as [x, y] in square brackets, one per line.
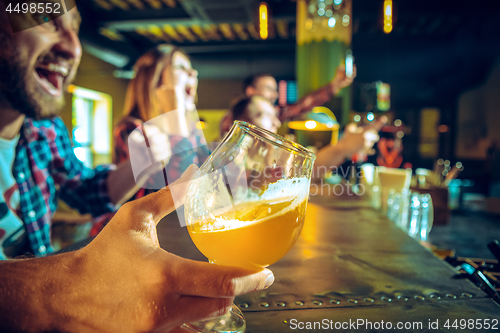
[120, 137]
[305, 104]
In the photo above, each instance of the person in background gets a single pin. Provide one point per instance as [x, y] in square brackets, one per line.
[258, 111]
[265, 85]
[122, 281]
[164, 82]
[160, 100]
[36, 158]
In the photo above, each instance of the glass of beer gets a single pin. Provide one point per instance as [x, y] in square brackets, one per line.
[246, 206]
[392, 178]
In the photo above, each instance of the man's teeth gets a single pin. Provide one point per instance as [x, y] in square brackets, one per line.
[58, 69]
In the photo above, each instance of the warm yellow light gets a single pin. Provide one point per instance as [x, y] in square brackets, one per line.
[310, 124]
[200, 125]
[263, 19]
[387, 16]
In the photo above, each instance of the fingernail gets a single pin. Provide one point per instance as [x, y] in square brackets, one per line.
[269, 280]
[253, 282]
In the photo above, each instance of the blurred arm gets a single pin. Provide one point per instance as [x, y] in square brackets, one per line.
[354, 139]
[320, 96]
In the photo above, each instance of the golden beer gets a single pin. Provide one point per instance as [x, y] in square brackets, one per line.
[396, 179]
[391, 178]
[246, 205]
[252, 234]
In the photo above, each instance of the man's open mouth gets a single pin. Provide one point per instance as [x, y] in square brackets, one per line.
[51, 77]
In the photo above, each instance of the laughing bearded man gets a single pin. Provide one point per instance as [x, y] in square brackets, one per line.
[122, 281]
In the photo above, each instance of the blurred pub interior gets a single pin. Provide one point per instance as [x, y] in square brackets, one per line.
[439, 68]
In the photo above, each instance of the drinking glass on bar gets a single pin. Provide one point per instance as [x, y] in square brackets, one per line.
[246, 206]
[390, 178]
[421, 216]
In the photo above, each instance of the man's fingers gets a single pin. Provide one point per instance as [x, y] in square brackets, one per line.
[165, 200]
[197, 278]
[190, 309]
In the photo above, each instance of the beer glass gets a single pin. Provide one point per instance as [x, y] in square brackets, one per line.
[392, 178]
[246, 205]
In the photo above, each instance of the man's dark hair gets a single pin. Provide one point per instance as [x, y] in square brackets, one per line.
[239, 107]
[251, 81]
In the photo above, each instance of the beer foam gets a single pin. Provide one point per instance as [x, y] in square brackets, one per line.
[295, 190]
[294, 187]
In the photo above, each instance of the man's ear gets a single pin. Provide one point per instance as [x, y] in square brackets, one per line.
[250, 91]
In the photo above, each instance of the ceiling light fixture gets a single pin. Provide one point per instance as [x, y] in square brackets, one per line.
[263, 20]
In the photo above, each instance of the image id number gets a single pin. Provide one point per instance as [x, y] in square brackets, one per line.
[40, 8]
[472, 324]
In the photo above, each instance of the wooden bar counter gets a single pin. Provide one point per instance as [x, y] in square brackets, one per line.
[351, 264]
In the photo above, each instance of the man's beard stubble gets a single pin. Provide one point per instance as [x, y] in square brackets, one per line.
[19, 87]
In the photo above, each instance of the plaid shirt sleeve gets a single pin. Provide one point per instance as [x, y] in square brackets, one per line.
[305, 104]
[46, 168]
[81, 188]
